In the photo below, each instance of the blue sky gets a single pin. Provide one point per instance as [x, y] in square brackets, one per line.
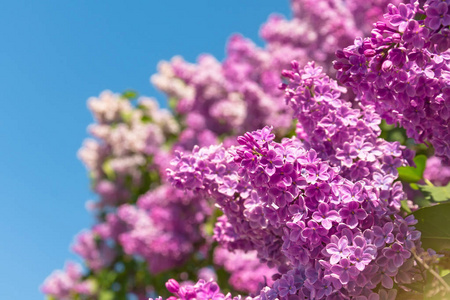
[53, 56]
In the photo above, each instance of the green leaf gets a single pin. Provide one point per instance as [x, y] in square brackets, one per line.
[434, 224]
[405, 206]
[126, 116]
[130, 94]
[106, 295]
[109, 171]
[421, 163]
[414, 186]
[420, 16]
[146, 119]
[436, 193]
[397, 135]
[173, 103]
[106, 278]
[410, 174]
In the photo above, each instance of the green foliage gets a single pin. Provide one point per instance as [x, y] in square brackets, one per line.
[106, 295]
[411, 174]
[436, 193]
[293, 129]
[146, 119]
[405, 206]
[211, 222]
[126, 117]
[173, 103]
[391, 133]
[414, 186]
[106, 278]
[108, 170]
[433, 290]
[434, 224]
[130, 94]
[420, 16]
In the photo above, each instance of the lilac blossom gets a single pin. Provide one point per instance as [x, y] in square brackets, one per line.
[383, 235]
[408, 53]
[353, 214]
[325, 230]
[338, 248]
[325, 216]
[64, 284]
[344, 271]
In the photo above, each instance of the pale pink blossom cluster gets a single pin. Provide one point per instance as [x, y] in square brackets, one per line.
[64, 284]
[125, 139]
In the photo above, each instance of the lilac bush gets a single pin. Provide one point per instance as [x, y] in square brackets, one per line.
[269, 178]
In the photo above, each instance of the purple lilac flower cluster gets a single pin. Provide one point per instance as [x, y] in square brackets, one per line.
[213, 172]
[219, 99]
[346, 136]
[403, 70]
[210, 290]
[319, 27]
[64, 284]
[333, 231]
[200, 290]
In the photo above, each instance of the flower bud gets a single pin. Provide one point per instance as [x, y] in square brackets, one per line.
[387, 66]
[172, 286]
[369, 52]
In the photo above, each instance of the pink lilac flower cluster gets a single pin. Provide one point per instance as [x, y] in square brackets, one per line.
[125, 161]
[333, 231]
[238, 95]
[178, 217]
[229, 98]
[211, 291]
[200, 290]
[247, 273]
[318, 27]
[436, 172]
[403, 70]
[212, 172]
[125, 137]
[96, 253]
[162, 228]
[64, 284]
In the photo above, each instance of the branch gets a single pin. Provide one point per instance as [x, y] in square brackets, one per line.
[433, 272]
